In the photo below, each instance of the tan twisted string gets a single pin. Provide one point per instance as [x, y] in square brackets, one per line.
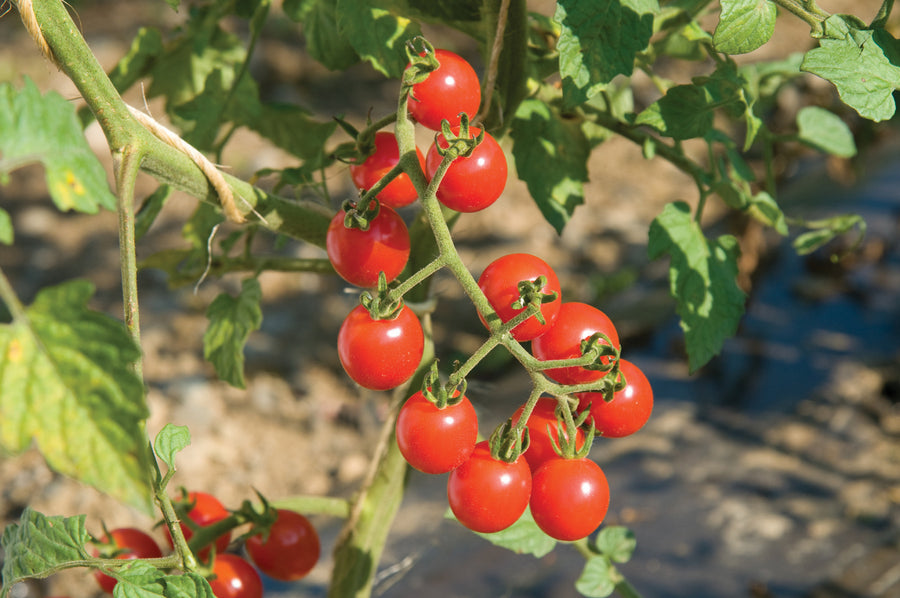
[226, 196]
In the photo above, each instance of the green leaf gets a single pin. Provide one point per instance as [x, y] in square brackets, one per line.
[764, 208]
[45, 129]
[6, 228]
[617, 543]
[824, 231]
[37, 545]
[138, 579]
[685, 112]
[189, 585]
[150, 209]
[170, 441]
[145, 47]
[551, 156]
[294, 130]
[377, 34]
[744, 25]
[324, 40]
[67, 383]
[522, 537]
[231, 320]
[702, 280]
[599, 40]
[862, 65]
[825, 131]
[597, 578]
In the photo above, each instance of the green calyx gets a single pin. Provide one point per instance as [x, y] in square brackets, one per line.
[360, 214]
[422, 61]
[508, 442]
[442, 394]
[380, 304]
[461, 145]
[531, 293]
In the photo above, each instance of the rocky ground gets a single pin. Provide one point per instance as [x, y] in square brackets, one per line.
[767, 474]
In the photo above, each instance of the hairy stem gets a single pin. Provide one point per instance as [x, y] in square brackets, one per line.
[127, 169]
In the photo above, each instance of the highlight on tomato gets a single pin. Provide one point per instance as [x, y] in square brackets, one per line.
[450, 90]
[471, 183]
[358, 255]
[500, 282]
[569, 498]
[234, 577]
[436, 440]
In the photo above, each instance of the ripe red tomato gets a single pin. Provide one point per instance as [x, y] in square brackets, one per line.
[500, 280]
[487, 495]
[291, 549]
[540, 449]
[569, 498]
[400, 191]
[380, 354]
[472, 183]
[359, 255]
[206, 510]
[131, 543]
[436, 440]
[629, 409]
[574, 323]
[235, 578]
[449, 90]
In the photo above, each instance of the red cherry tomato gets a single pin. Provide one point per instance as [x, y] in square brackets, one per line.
[291, 549]
[359, 255]
[540, 449]
[131, 543]
[629, 409]
[380, 354]
[500, 280]
[471, 183]
[487, 495]
[400, 191]
[235, 578]
[436, 440]
[574, 323]
[206, 510]
[449, 90]
[569, 498]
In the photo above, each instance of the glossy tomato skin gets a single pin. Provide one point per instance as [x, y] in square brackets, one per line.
[400, 191]
[471, 183]
[569, 498]
[291, 549]
[451, 89]
[380, 354]
[206, 510]
[134, 544]
[499, 282]
[235, 578]
[436, 440]
[574, 323]
[540, 449]
[487, 495]
[359, 255]
[629, 409]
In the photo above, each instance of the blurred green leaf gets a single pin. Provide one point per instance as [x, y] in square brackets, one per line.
[377, 33]
[45, 129]
[596, 580]
[685, 112]
[522, 537]
[825, 131]
[170, 441]
[6, 228]
[324, 39]
[617, 543]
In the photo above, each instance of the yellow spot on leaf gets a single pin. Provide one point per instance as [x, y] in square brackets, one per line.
[14, 351]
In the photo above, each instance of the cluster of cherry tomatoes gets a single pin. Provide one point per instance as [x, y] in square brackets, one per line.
[488, 487]
[286, 551]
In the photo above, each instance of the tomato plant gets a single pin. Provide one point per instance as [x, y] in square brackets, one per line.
[575, 322]
[126, 543]
[234, 577]
[569, 498]
[433, 439]
[450, 90]
[501, 282]
[555, 82]
[543, 430]
[359, 255]
[473, 182]
[288, 550]
[385, 156]
[486, 494]
[629, 409]
[380, 354]
[205, 510]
